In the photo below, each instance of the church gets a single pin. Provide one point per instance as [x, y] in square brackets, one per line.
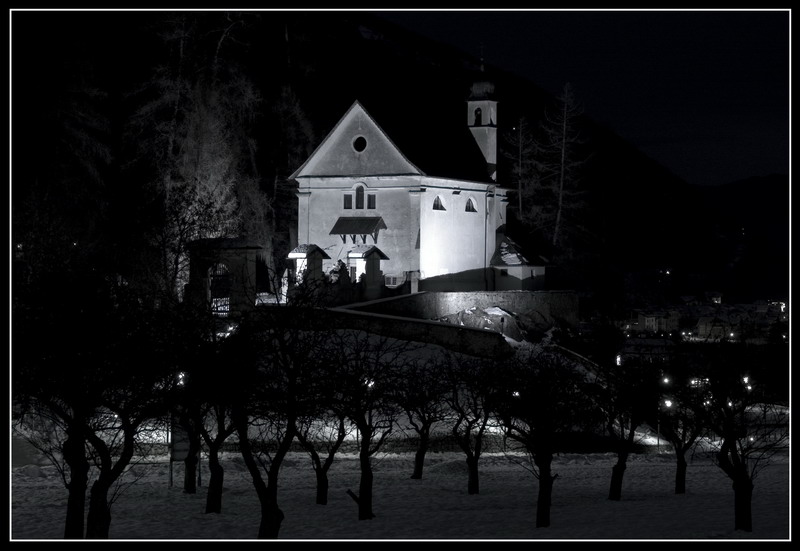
[431, 214]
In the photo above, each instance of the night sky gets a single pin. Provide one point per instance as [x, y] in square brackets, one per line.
[705, 93]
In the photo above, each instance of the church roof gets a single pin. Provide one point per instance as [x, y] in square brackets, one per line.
[415, 137]
[434, 137]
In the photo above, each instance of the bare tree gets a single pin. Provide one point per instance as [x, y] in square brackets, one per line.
[520, 148]
[543, 401]
[322, 426]
[751, 425]
[560, 202]
[56, 430]
[367, 368]
[271, 355]
[137, 376]
[683, 414]
[322, 436]
[119, 367]
[471, 387]
[421, 394]
[203, 399]
[627, 393]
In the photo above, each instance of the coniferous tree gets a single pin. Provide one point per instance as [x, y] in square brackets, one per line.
[192, 133]
[559, 202]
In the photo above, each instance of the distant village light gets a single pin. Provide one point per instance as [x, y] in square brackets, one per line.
[619, 359]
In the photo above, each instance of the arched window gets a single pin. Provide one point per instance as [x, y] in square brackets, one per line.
[470, 206]
[360, 197]
[478, 116]
[437, 204]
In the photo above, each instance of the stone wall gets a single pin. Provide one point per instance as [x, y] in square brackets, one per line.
[553, 306]
[474, 342]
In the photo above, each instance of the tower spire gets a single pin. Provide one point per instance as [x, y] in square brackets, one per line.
[482, 119]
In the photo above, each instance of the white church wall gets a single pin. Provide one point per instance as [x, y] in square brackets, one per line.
[395, 202]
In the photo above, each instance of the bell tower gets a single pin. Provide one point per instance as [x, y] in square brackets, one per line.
[482, 121]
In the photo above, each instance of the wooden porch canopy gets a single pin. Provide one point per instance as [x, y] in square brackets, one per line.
[358, 225]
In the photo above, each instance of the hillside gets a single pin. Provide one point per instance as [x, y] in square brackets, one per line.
[309, 68]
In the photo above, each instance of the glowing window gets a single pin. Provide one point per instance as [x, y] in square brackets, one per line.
[360, 197]
[470, 206]
[437, 204]
[219, 289]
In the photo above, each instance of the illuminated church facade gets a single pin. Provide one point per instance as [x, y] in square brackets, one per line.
[359, 193]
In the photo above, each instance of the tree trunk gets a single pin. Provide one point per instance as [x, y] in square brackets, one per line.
[322, 487]
[561, 172]
[215, 481]
[419, 456]
[98, 521]
[75, 457]
[190, 463]
[545, 496]
[680, 473]
[734, 465]
[617, 473]
[271, 514]
[472, 469]
[365, 485]
[190, 474]
[743, 496]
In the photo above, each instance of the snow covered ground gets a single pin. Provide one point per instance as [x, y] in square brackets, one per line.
[434, 508]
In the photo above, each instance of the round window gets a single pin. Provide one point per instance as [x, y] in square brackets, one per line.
[360, 144]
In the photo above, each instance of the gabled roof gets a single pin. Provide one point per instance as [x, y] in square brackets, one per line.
[433, 135]
[414, 137]
[305, 250]
[508, 253]
[356, 146]
[363, 251]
